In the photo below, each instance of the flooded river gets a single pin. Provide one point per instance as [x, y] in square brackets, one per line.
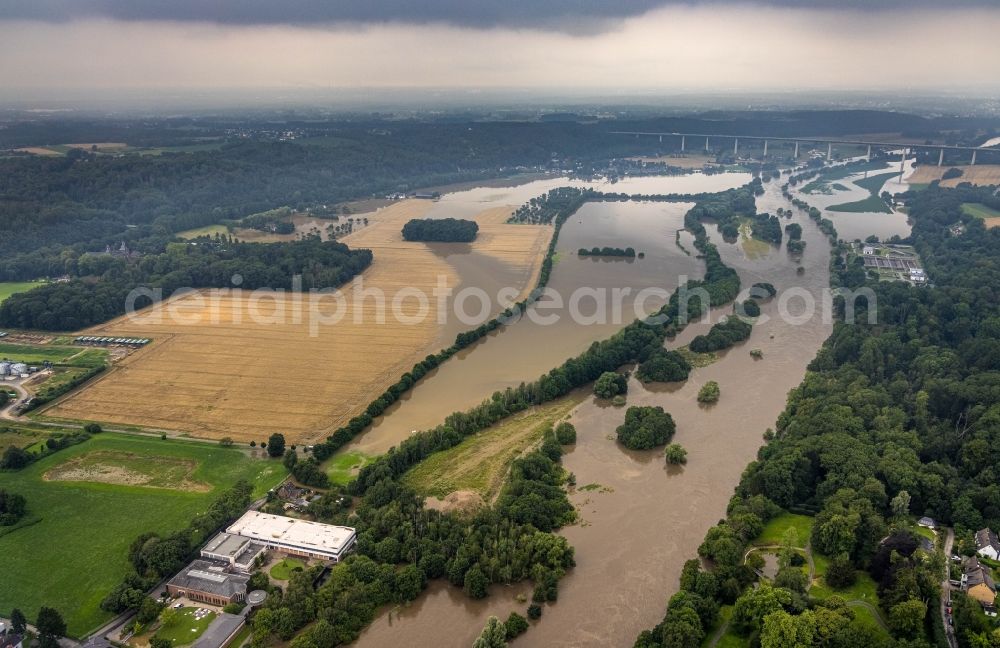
[860, 225]
[640, 520]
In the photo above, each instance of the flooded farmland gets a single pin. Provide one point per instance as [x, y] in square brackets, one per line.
[640, 520]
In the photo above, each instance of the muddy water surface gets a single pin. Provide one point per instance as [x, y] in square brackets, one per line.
[599, 295]
[640, 520]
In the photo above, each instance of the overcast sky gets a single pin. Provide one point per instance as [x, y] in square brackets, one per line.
[640, 44]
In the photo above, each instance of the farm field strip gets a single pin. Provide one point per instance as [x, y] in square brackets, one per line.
[224, 375]
[980, 174]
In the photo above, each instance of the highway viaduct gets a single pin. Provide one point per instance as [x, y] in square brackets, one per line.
[972, 150]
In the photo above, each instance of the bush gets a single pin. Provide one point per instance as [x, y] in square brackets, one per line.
[618, 401]
[709, 392]
[534, 611]
[952, 173]
[750, 308]
[610, 384]
[565, 433]
[645, 428]
[516, 625]
[676, 454]
[92, 428]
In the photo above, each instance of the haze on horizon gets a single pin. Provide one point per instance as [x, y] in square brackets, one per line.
[93, 47]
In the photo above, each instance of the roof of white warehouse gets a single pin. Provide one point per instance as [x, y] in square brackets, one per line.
[292, 532]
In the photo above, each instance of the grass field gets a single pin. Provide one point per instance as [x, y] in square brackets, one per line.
[283, 570]
[343, 467]
[480, 463]
[774, 530]
[979, 210]
[81, 542]
[244, 379]
[873, 203]
[208, 230]
[184, 628]
[8, 288]
[55, 354]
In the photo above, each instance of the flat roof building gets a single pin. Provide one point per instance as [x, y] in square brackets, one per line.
[209, 582]
[236, 551]
[294, 536]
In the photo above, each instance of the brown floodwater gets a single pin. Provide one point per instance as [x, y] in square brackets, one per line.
[642, 520]
[527, 348]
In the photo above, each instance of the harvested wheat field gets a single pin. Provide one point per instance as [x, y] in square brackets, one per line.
[224, 363]
[981, 174]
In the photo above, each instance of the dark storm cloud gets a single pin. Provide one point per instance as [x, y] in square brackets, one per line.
[559, 14]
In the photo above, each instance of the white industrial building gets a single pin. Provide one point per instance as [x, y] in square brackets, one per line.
[295, 537]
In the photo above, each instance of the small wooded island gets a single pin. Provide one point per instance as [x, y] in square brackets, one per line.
[608, 251]
[440, 230]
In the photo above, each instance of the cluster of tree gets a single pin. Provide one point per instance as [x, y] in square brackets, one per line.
[447, 230]
[272, 220]
[306, 471]
[951, 173]
[749, 308]
[202, 263]
[726, 209]
[895, 417]
[645, 428]
[610, 384]
[12, 507]
[722, 335]
[766, 228]
[607, 251]
[663, 366]
[402, 545]
[16, 458]
[153, 556]
[794, 231]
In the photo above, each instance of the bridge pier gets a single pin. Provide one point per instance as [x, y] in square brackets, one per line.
[973, 163]
[941, 157]
[796, 150]
[869, 156]
[736, 146]
[706, 143]
[683, 142]
[829, 151]
[765, 149]
[902, 163]
[661, 139]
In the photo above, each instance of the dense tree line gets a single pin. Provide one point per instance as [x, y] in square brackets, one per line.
[444, 230]
[607, 251]
[894, 418]
[203, 263]
[16, 458]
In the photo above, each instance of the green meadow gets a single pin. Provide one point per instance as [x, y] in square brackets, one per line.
[76, 551]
